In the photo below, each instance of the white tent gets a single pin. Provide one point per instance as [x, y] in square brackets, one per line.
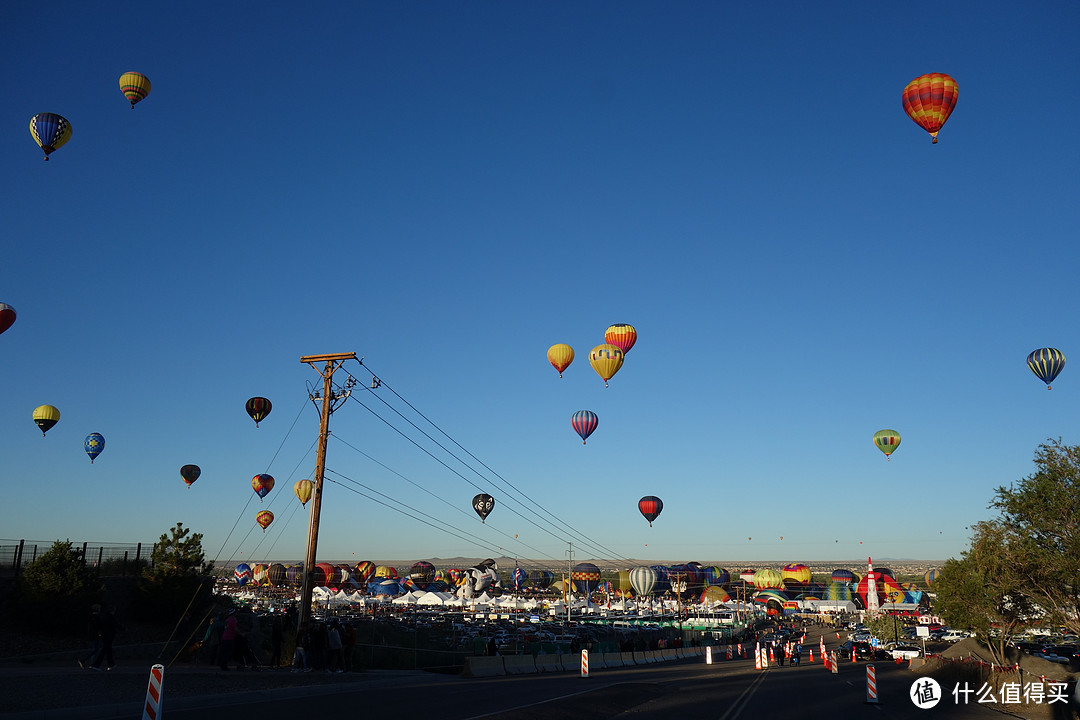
[434, 599]
[409, 598]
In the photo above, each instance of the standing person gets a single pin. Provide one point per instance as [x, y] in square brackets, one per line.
[348, 644]
[317, 649]
[778, 649]
[301, 662]
[228, 641]
[212, 639]
[109, 628]
[93, 632]
[277, 636]
[796, 656]
[335, 659]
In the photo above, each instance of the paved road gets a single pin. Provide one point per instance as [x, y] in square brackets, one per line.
[686, 689]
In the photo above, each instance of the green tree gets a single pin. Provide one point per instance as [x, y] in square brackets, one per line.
[987, 590]
[1042, 512]
[884, 627]
[178, 575]
[58, 589]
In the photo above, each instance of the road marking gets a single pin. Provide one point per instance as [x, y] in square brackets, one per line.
[544, 702]
[740, 703]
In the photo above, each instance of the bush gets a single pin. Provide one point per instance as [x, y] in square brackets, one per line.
[56, 591]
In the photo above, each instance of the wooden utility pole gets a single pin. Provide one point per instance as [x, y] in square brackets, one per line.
[333, 362]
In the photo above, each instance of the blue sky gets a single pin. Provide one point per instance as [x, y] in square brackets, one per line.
[449, 188]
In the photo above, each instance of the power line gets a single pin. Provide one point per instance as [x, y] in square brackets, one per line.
[582, 539]
[455, 507]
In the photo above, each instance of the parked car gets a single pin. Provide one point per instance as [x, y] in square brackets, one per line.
[903, 651]
[954, 635]
[1060, 654]
[860, 636]
[863, 651]
[1029, 648]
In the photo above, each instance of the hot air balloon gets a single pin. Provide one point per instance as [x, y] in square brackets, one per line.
[767, 578]
[135, 87]
[541, 579]
[584, 423]
[1046, 363]
[422, 574]
[606, 361]
[387, 572]
[93, 445]
[190, 473]
[364, 570]
[303, 489]
[45, 416]
[887, 441]
[258, 573]
[50, 131]
[650, 507]
[622, 336]
[795, 574]
[715, 594]
[264, 518]
[483, 504]
[242, 573]
[7, 316]
[585, 576]
[324, 574]
[262, 485]
[842, 575]
[275, 575]
[560, 355]
[258, 408]
[929, 100]
[518, 578]
[931, 576]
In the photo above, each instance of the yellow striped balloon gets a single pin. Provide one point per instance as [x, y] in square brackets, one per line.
[1046, 363]
[135, 87]
[929, 100]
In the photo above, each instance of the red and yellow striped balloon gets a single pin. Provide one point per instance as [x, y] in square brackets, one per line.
[929, 100]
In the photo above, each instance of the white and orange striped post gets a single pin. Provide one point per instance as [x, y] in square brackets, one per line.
[833, 665]
[708, 654]
[584, 663]
[757, 656]
[152, 708]
[728, 652]
[871, 685]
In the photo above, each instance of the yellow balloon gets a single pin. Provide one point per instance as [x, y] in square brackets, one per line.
[303, 490]
[606, 361]
[45, 416]
[135, 87]
[560, 355]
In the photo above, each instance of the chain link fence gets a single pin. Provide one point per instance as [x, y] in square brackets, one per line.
[108, 559]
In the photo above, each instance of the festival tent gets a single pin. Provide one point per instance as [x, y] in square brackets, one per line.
[434, 599]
